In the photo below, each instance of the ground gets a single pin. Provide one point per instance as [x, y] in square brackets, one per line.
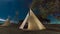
[16, 30]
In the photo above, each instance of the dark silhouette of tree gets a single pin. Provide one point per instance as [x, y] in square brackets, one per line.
[46, 7]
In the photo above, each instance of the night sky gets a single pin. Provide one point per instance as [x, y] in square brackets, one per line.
[9, 7]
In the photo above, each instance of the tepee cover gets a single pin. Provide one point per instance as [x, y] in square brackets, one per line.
[33, 22]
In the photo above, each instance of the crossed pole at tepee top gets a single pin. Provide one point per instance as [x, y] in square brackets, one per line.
[33, 22]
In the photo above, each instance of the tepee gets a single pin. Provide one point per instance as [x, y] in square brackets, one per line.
[33, 22]
[7, 22]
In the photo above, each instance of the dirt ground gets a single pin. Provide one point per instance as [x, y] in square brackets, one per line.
[14, 30]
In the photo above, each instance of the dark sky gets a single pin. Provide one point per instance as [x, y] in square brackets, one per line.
[9, 7]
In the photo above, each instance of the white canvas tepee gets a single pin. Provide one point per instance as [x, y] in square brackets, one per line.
[33, 22]
[7, 22]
